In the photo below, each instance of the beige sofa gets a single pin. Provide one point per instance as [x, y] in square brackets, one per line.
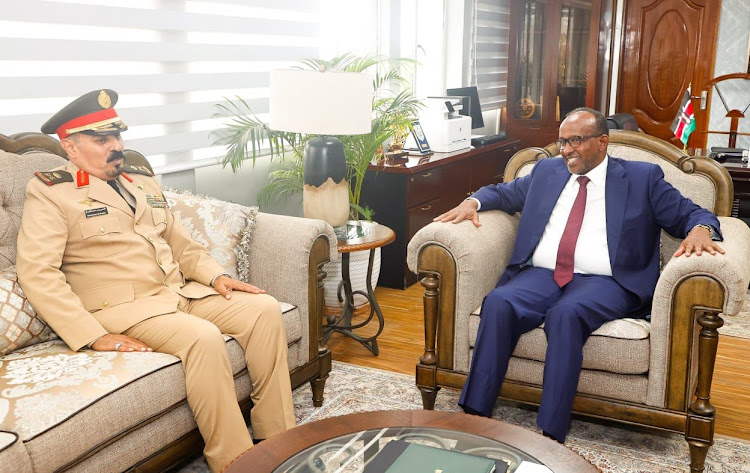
[111, 412]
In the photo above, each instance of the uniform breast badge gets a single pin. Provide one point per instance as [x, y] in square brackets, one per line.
[88, 202]
[96, 212]
[156, 201]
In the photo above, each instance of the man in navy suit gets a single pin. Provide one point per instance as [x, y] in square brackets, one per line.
[587, 252]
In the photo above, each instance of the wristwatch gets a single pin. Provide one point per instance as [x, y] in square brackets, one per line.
[712, 233]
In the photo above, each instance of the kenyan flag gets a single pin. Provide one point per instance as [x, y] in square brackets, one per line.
[684, 123]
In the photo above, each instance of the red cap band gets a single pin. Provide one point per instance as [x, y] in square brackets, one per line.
[84, 120]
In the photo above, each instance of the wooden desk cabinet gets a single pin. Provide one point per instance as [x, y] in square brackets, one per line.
[407, 196]
[741, 180]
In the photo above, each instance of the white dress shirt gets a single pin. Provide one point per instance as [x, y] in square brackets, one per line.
[592, 252]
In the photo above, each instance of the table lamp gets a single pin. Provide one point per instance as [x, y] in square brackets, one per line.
[322, 103]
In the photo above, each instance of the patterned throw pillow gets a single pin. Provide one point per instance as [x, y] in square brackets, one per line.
[20, 326]
[223, 227]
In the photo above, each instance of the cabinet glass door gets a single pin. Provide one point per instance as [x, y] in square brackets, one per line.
[529, 84]
[573, 59]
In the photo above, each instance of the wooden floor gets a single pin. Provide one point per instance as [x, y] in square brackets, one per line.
[402, 343]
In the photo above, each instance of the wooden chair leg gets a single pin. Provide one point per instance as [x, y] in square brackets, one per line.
[426, 368]
[428, 397]
[699, 431]
[698, 452]
[318, 386]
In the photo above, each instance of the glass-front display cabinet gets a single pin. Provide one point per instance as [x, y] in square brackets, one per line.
[552, 65]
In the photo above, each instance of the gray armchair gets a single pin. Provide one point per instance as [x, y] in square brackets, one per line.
[655, 373]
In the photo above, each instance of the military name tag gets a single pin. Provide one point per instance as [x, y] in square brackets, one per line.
[156, 201]
[96, 212]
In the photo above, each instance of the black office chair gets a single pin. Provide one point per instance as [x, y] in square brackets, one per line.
[622, 121]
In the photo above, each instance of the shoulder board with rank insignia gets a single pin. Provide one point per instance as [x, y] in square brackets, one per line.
[137, 169]
[136, 163]
[54, 177]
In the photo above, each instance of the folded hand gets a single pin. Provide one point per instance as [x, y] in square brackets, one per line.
[119, 342]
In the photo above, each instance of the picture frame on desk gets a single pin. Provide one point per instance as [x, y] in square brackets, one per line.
[419, 137]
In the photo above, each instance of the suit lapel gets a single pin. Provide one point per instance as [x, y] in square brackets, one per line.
[616, 196]
[552, 187]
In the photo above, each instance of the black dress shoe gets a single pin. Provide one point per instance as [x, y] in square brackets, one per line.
[469, 410]
[548, 435]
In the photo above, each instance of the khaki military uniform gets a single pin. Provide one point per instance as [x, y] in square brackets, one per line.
[91, 266]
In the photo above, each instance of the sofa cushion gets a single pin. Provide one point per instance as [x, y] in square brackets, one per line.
[13, 455]
[621, 346]
[46, 387]
[15, 172]
[224, 228]
[20, 326]
[628, 387]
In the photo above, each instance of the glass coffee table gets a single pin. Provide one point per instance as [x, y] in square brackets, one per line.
[352, 452]
[347, 443]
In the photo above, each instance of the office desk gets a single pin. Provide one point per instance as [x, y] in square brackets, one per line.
[741, 180]
[408, 194]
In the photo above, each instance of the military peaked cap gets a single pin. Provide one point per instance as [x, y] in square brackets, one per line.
[91, 113]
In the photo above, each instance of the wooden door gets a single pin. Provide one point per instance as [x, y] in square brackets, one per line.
[667, 45]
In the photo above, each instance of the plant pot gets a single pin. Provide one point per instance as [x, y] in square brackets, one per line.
[357, 273]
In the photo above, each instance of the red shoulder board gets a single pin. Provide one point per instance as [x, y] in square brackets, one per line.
[54, 177]
[127, 178]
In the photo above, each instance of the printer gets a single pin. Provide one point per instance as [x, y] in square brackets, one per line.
[444, 128]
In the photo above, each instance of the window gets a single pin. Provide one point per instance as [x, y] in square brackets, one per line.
[489, 22]
[169, 60]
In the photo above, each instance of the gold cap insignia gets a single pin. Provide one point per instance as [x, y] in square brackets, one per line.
[104, 100]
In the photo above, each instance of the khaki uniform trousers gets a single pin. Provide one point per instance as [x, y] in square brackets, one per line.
[193, 334]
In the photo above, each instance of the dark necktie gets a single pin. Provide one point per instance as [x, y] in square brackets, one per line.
[114, 186]
[567, 249]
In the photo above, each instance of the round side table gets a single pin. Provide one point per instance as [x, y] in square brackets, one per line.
[359, 236]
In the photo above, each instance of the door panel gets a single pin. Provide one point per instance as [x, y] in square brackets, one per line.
[668, 44]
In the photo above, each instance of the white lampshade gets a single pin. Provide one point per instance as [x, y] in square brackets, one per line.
[321, 103]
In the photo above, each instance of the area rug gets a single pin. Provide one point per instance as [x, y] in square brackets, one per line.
[739, 325]
[610, 448]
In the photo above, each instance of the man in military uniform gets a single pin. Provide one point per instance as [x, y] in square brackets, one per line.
[104, 262]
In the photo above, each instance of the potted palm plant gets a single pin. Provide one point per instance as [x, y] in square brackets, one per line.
[394, 108]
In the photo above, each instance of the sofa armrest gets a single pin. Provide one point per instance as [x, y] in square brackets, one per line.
[470, 261]
[731, 270]
[711, 283]
[286, 258]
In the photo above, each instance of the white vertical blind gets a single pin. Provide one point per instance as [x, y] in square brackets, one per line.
[489, 51]
[169, 60]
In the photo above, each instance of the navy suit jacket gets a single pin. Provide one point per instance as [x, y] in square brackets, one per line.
[638, 201]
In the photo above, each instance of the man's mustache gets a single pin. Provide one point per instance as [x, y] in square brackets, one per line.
[115, 155]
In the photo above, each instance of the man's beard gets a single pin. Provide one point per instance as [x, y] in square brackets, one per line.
[114, 156]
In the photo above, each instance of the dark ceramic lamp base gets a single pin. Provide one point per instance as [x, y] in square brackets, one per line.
[325, 195]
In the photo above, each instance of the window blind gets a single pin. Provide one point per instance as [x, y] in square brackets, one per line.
[169, 60]
[489, 51]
